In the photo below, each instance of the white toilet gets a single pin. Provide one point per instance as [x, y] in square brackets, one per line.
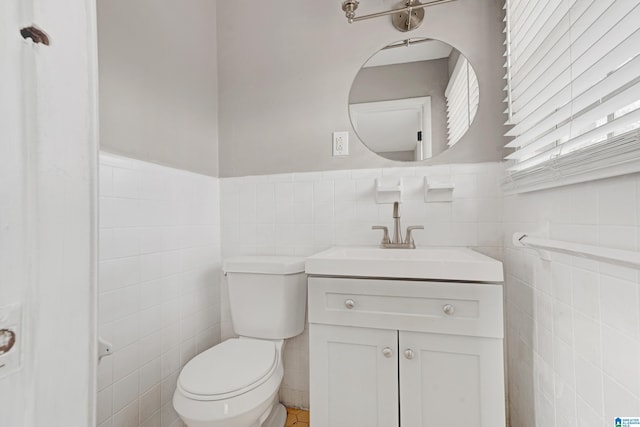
[235, 383]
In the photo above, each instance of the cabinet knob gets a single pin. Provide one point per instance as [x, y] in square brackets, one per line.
[387, 352]
[408, 353]
[448, 309]
[349, 304]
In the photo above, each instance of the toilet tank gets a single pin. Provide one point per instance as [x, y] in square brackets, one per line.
[267, 295]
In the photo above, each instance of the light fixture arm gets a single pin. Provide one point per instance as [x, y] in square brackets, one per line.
[350, 6]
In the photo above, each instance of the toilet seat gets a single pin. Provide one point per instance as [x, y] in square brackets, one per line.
[229, 369]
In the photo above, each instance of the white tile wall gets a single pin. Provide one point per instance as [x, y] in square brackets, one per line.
[303, 213]
[159, 285]
[573, 326]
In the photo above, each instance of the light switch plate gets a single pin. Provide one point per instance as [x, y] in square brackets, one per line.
[10, 339]
[341, 143]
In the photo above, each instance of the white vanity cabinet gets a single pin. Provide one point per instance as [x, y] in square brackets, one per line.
[353, 382]
[405, 353]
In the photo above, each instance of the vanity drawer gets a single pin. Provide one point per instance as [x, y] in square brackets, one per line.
[472, 309]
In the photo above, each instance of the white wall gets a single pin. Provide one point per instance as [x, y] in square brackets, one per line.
[573, 327]
[303, 213]
[285, 71]
[159, 301]
[158, 82]
[47, 210]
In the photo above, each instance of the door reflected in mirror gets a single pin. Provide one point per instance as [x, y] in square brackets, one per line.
[414, 99]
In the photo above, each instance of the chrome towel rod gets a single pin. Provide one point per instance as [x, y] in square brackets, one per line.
[597, 253]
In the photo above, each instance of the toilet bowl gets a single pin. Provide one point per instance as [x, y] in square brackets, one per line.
[236, 383]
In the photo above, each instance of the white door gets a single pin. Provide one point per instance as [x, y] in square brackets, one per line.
[354, 376]
[48, 163]
[451, 380]
[393, 126]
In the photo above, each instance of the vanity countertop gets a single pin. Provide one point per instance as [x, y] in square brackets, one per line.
[426, 263]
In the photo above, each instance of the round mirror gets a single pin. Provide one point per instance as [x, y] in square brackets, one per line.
[413, 99]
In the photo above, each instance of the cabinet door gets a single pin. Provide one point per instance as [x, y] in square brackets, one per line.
[354, 376]
[451, 380]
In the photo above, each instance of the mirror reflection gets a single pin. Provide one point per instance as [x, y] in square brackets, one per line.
[413, 99]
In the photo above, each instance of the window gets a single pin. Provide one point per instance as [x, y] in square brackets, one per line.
[462, 95]
[573, 84]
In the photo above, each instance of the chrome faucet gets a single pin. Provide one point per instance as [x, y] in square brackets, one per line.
[397, 233]
[396, 242]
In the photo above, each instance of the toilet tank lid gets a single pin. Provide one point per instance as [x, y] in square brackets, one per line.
[264, 264]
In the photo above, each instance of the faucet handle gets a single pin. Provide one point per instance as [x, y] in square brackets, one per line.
[409, 238]
[385, 236]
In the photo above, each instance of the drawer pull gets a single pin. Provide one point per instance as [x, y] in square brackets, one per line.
[349, 304]
[408, 354]
[387, 352]
[448, 309]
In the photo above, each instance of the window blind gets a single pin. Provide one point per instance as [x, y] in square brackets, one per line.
[462, 96]
[573, 86]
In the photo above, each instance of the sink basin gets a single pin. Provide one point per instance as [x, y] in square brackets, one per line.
[435, 263]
